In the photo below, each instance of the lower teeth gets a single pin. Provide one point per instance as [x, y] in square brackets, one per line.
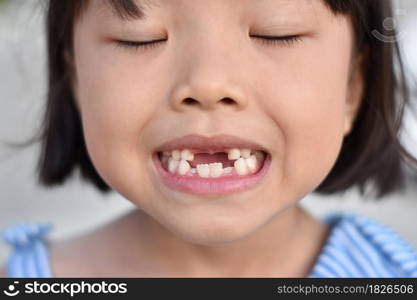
[193, 172]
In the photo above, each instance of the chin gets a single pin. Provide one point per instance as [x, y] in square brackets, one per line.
[215, 231]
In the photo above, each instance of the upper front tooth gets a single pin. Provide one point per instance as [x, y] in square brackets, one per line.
[245, 153]
[241, 166]
[172, 164]
[187, 155]
[233, 154]
[203, 170]
[176, 154]
[216, 169]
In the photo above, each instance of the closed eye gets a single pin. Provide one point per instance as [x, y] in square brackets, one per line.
[287, 40]
[136, 45]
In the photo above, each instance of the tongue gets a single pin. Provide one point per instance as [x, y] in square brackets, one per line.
[205, 158]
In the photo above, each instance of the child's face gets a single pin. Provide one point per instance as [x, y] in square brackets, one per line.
[296, 99]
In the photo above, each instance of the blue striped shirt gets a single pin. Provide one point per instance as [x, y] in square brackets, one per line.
[357, 246]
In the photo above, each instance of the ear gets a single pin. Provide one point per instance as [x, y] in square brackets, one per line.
[356, 86]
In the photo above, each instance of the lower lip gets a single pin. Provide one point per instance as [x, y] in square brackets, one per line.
[211, 186]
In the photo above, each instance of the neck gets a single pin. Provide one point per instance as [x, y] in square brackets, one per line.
[287, 246]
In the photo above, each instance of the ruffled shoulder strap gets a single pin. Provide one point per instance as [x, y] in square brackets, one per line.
[390, 243]
[359, 246]
[29, 256]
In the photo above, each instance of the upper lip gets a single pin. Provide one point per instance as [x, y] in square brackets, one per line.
[218, 143]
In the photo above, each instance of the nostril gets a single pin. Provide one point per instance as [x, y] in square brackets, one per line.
[190, 101]
[228, 101]
[193, 102]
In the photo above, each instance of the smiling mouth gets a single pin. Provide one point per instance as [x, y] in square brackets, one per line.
[198, 164]
[217, 165]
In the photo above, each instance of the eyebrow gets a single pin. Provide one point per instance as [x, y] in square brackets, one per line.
[127, 10]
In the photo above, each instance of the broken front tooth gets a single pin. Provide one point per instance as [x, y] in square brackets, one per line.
[183, 167]
[172, 165]
[241, 166]
[203, 170]
[245, 153]
[216, 169]
[233, 154]
[251, 163]
[176, 154]
[187, 155]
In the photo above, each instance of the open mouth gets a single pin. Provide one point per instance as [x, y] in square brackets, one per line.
[231, 162]
[216, 172]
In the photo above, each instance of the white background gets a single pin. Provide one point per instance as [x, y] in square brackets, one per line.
[76, 207]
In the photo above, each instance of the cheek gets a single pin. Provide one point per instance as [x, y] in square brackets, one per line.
[307, 101]
[113, 115]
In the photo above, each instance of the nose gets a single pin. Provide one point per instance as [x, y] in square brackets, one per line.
[212, 81]
[208, 95]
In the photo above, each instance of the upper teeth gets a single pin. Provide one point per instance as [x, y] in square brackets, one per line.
[245, 161]
[176, 154]
[233, 154]
[186, 154]
[245, 153]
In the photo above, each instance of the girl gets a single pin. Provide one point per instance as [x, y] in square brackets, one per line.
[215, 118]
